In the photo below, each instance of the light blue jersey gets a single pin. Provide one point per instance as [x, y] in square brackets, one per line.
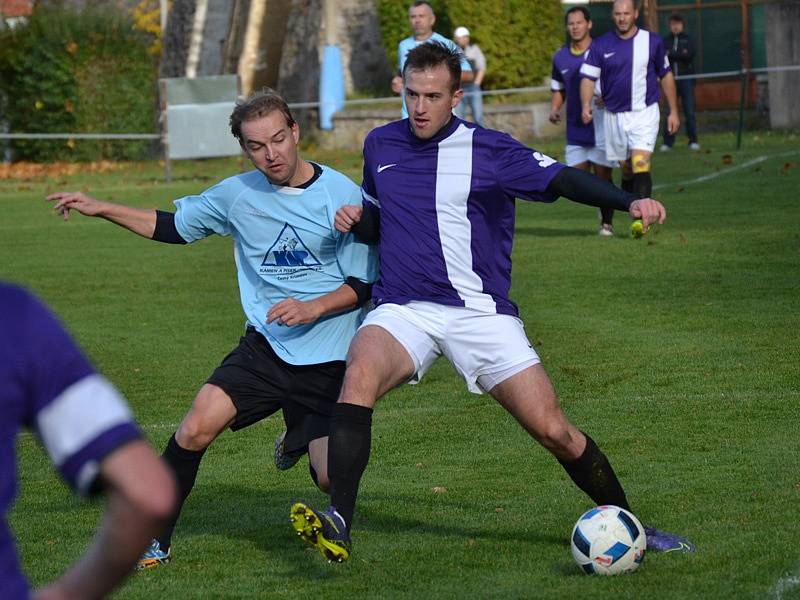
[285, 245]
[408, 44]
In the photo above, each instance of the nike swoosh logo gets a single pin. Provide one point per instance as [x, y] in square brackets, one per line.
[384, 167]
[564, 71]
[608, 54]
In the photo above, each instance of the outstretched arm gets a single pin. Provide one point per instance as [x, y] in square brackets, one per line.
[581, 186]
[138, 220]
[141, 496]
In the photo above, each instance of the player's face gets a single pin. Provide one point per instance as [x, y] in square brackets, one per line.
[676, 27]
[422, 20]
[430, 100]
[271, 145]
[624, 16]
[578, 27]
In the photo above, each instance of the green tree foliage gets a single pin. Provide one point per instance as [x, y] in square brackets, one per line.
[82, 72]
[518, 37]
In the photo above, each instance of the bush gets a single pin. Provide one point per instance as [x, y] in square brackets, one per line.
[70, 72]
[518, 37]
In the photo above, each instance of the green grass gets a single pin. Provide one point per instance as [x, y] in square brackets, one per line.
[677, 352]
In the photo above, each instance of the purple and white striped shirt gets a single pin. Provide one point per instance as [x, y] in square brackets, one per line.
[628, 69]
[447, 212]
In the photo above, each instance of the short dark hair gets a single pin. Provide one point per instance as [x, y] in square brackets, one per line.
[258, 104]
[418, 3]
[433, 54]
[574, 9]
[677, 18]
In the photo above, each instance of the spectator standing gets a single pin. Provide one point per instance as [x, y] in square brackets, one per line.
[422, 19]
[680, 50]
[472, 90]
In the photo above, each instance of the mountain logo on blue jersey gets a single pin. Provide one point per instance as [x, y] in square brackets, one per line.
[288, 250]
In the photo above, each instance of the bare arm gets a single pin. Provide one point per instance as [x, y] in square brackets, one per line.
[299, 312]
[668, 86]
[141, 497]
[556, 102]
[587, 92]
[138, 220]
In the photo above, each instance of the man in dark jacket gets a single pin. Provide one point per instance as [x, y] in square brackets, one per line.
[680, 50]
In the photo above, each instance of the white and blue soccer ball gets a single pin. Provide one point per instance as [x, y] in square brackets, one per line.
[608, 540]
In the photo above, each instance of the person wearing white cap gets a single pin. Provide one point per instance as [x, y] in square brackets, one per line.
[472, 90]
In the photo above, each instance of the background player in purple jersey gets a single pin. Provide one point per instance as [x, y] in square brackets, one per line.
[439, 194]
[585, 143]
[630, 63]
[88, 432]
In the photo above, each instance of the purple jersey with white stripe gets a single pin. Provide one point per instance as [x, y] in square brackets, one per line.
[566, 77]
[628, 70]
[49, 386]
[446, 209]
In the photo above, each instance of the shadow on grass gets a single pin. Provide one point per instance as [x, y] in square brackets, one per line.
[261, 517]
[545, 232]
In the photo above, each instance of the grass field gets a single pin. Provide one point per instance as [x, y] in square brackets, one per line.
[677, 352]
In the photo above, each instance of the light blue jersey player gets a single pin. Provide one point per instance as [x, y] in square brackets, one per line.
[422, 18]
[302, 284]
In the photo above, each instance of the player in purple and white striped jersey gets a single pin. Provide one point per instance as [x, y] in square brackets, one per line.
[586, 148]
[630, 63]
[48, 386]
[440, 201]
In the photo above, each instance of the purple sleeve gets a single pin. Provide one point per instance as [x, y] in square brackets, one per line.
[79, 416]
[368, 191]
[523, 172]
[661, 58]
[557, 80]
[593, 63]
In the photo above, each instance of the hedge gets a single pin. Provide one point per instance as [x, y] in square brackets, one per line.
[518, 37]
[84, 72]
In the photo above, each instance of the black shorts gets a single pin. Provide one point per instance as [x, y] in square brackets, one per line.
[260, 383]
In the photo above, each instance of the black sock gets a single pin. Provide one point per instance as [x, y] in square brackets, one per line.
[348, 454]
[642, 184]
[593, 474]
[184, 464]
[627, 184]
[607, 216]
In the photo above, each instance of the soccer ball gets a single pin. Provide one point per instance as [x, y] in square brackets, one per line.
[608, 540]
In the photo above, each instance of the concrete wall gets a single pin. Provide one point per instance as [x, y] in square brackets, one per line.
[521, 121]
[782, 21]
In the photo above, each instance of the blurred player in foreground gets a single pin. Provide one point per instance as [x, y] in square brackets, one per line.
[439, 196]
[89, 434]
[301, 283]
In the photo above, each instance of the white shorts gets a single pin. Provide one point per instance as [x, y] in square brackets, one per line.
[576, 155]
[485, 348]
[633, 130]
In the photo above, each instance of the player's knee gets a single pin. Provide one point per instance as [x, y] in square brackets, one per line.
[193, 434]
[555, 437]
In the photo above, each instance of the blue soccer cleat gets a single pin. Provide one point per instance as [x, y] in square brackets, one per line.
[663, 541]
[153, 556]
[324, 530]
[283, 461]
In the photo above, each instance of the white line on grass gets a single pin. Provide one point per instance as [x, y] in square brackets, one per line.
[784, 585]
[744, 165]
